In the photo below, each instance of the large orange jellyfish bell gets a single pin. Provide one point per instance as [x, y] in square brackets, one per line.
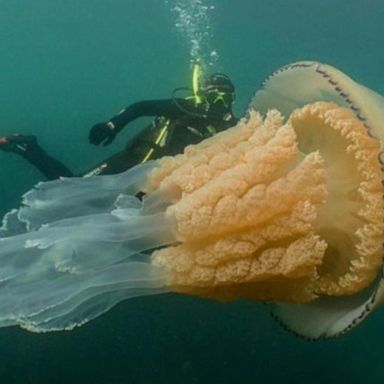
[289, 88]
[286, 207]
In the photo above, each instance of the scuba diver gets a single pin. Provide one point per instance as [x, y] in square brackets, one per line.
[178, 122]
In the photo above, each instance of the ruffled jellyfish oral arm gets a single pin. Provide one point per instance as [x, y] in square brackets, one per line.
[231, 197]
[296, 214]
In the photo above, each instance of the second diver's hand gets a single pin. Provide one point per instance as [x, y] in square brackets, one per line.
[102, 133]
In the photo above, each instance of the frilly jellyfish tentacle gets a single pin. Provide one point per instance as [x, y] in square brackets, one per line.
[82, 253]
[77, 196]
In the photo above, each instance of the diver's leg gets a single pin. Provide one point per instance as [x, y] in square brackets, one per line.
[134, 153]
[29, 149]
[117, 163]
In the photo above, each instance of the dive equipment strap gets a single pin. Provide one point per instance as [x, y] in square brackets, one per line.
[159, 140]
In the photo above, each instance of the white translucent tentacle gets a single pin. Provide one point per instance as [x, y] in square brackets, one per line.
[84, 248]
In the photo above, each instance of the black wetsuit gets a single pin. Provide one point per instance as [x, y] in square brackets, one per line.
[185, 122]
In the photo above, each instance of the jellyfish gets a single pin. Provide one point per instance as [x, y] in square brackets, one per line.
[284, 208]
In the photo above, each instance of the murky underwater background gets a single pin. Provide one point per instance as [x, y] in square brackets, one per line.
[66, 65]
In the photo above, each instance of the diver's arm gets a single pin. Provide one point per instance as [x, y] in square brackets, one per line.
[169, 108]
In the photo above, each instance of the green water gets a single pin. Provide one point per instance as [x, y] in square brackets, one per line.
[66, 65]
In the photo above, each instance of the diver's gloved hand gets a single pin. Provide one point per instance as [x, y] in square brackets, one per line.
[102, 133]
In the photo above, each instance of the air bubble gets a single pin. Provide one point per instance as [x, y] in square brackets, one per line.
[193, 22]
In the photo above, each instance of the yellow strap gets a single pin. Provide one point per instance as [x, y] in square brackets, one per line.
[211, 130]
[158, 141]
